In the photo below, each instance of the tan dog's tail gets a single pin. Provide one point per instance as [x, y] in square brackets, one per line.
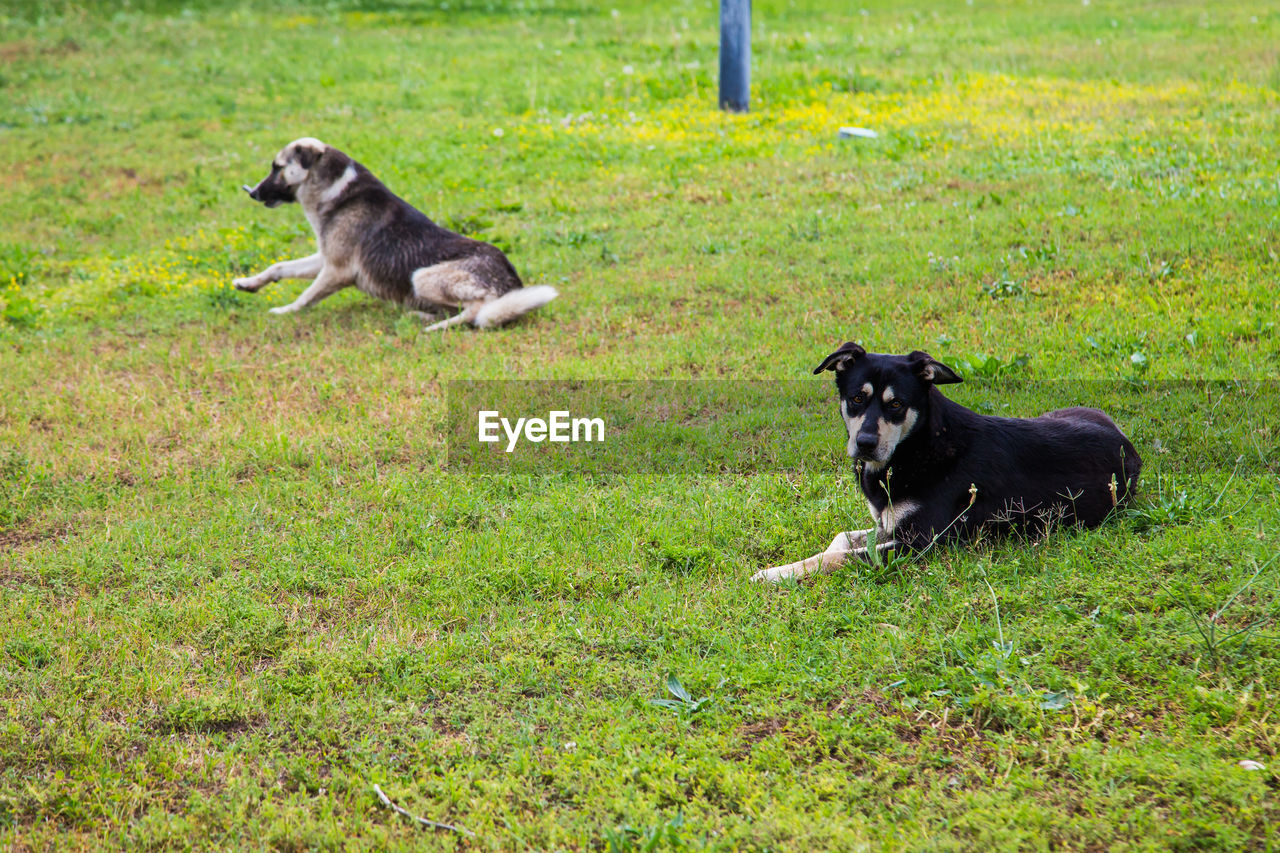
[513, 304]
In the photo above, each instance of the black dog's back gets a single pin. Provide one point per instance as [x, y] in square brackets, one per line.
[1132, 461]
[1071, 465]
[1083, 413]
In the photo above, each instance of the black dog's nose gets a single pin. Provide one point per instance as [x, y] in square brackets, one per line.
[253, 192]
[867, 444]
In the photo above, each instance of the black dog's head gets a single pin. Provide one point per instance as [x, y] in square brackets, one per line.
[289, 170]
[882, 396]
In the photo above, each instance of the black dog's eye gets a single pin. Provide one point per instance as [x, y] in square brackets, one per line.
[895, 405]
[858, 398]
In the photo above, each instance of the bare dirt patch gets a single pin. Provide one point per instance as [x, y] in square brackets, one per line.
[29, 535]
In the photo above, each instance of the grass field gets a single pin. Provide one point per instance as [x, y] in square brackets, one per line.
[239, 586]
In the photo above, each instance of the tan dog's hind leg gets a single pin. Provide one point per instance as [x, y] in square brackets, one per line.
[327, 283]
[450, 284]
[466, 315]
[308, 267]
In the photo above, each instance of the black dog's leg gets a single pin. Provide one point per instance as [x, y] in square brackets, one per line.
[853, 543]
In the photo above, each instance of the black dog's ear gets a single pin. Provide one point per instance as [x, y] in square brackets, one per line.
[837, 360]
[931, 370]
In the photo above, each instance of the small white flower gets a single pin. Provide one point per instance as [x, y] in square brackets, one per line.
[627, 69]
[497, 131]
[1250, 764]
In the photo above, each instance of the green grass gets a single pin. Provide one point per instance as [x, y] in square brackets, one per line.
[239, 586]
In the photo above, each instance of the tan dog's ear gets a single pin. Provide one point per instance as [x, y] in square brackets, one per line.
[848, 351]
[931, 370]
[307, 156]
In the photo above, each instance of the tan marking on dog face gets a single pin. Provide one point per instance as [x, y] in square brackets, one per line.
[889, 436]
[292, 171]
[852, 423]
[887, 394]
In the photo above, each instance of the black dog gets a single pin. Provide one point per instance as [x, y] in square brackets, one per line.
[934, 470]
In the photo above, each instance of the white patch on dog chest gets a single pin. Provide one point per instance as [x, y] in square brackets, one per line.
[893, 515]
[313, 218]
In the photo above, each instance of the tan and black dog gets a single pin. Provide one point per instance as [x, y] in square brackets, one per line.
[933, 470]
[373, 240]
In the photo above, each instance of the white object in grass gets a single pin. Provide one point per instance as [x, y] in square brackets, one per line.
[860, 132]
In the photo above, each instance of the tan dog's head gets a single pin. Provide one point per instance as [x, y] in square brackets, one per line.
[289, 170]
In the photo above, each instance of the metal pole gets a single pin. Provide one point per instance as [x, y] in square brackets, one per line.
[735, 55]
